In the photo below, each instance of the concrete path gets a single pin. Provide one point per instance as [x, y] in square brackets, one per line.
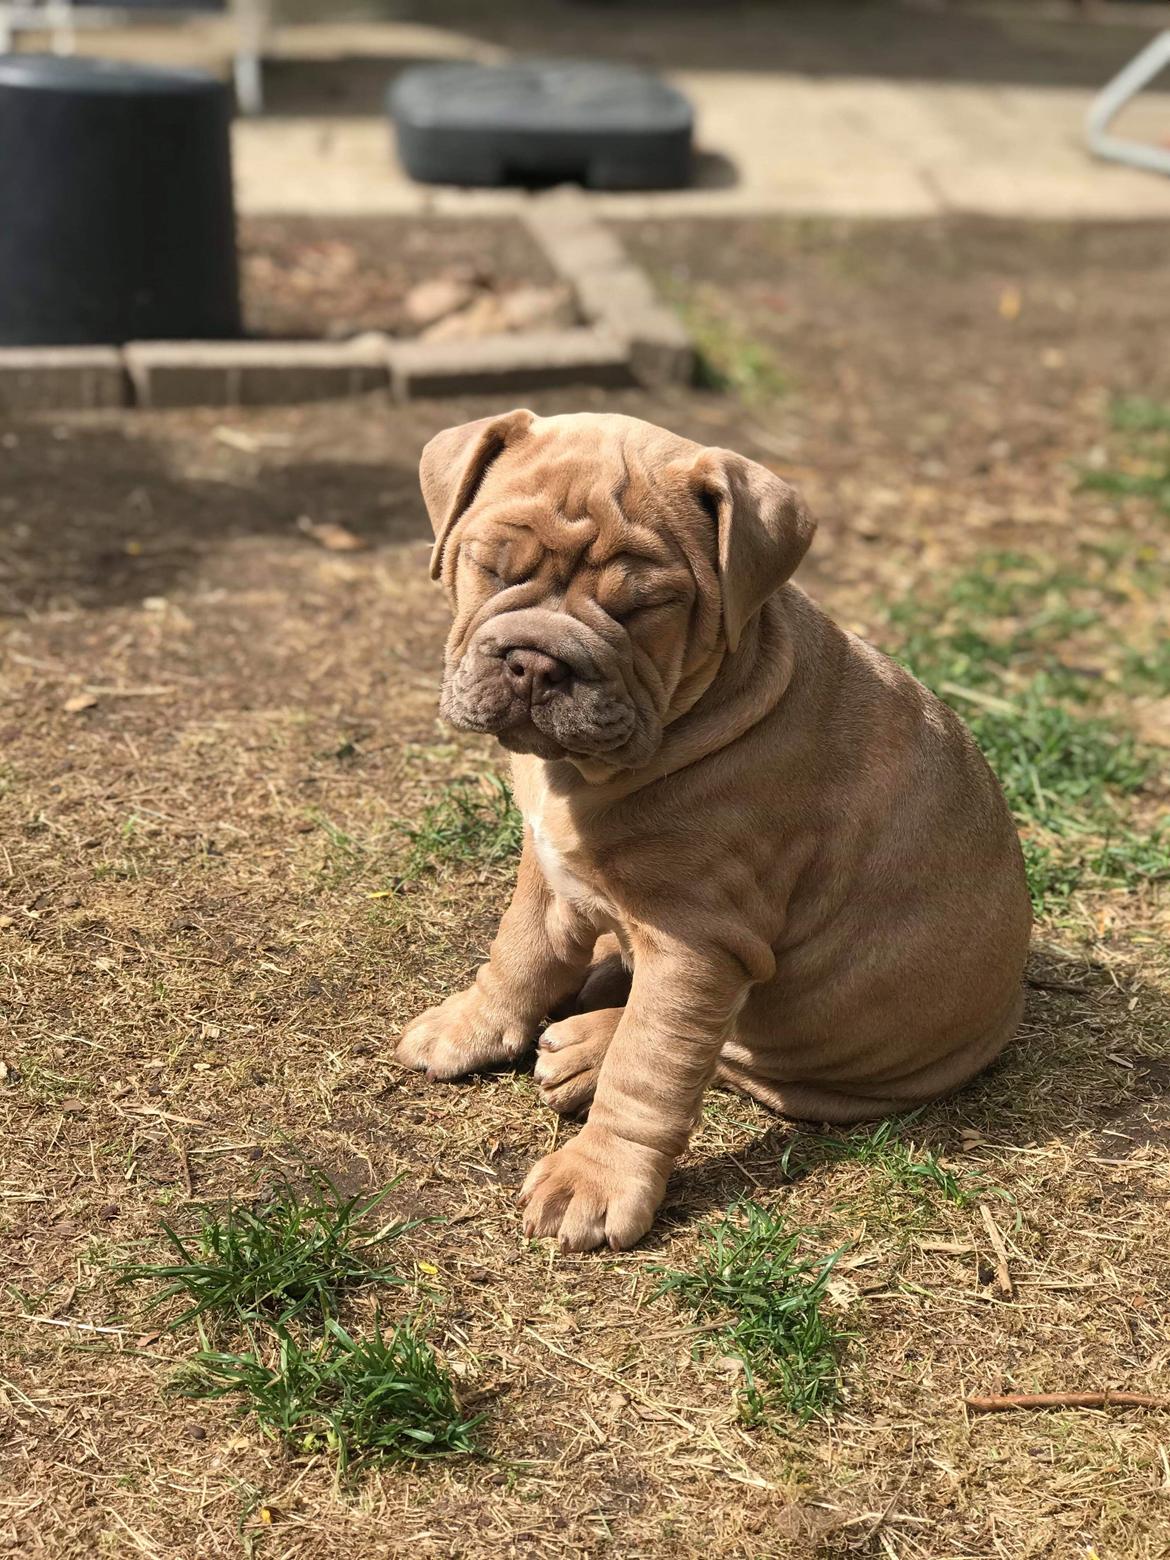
[888, 111]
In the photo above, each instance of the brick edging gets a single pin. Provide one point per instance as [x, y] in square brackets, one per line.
[629, 338]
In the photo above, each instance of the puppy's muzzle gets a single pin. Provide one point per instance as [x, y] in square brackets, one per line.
[533, 676]
[542, 682]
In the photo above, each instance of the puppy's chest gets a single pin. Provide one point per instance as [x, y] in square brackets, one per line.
[564, 860]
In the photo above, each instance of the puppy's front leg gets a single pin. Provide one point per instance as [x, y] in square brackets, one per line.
[540, 955]
[606, 1184]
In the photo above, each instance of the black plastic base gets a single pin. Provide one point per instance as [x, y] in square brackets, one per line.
[542, 122]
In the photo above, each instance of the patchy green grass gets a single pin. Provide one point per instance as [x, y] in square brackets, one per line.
[1139, 414]
[344, 856]
[294, 1255]
[1148, 669]
[384, 1397]
[1154, 482]
[472, 821]
[728, 357]
[1145, 470]
[989, 648]
[764, 1307]
[274, 1277]
[907, 1170]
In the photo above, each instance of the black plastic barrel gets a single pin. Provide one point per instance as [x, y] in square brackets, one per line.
[116, 213]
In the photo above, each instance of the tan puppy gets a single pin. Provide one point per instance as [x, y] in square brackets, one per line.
[803, 856]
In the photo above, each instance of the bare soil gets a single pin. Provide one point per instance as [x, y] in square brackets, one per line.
[311, 277]
[210, 727]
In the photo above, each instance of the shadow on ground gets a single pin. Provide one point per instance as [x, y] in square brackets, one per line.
[1080, 1065]
[1015, 45]
[94, 516]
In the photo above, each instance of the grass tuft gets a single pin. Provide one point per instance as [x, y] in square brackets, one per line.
[765, 1304]
[1152, 483]
[1146, 470]
[472, 820]
[914, 1172]
[383, 1397]
[1065, 769]
[293, 1255]
[275, 1275]
[1140, 414]
[727, 358]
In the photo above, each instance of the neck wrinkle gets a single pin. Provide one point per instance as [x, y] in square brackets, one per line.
[747, 687]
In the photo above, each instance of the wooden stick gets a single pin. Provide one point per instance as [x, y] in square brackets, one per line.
[59, 1321]
[1008, 1400]
[1003, 1275]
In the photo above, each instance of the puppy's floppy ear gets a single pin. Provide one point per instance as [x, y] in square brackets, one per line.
[454, 464]
[762, 531]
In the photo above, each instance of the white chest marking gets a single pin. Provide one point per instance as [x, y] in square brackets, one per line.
[557, 873]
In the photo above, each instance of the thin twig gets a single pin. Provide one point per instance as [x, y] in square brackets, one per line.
[1003, 1275]
[57, 1321]
[884, 1514]
[10, 1386]
[1007, 1400]
[138, 1347]
[184, 1167]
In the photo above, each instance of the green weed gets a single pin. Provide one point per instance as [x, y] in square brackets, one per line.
[472, 820]
[293, 1255]
[765, 1306]
[345, 855]
[383, 1397]
[1139, 414]
[914, 1172]
[1154, 483]
[1148, 669]
[1147, 422]
[275, 1275]
[727, 357]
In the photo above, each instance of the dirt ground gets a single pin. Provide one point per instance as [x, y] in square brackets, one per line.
[307, 277]
[211, 727]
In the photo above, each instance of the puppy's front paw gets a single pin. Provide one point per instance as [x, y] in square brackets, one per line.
[571, 1054]
[598, 1190]
[462, 1035]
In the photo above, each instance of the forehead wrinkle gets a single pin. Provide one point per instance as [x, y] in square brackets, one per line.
[630, 544]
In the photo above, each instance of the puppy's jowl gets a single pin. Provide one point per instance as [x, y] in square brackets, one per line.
[756, 850]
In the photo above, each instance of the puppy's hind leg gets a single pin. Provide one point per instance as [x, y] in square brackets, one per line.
[606, 985]
[573, 1048]
[569, 1058]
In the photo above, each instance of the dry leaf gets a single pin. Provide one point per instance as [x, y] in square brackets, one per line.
[331, 536]
[79, 702]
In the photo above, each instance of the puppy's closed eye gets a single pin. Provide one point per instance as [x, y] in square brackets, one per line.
[496, 566]
[629, 611]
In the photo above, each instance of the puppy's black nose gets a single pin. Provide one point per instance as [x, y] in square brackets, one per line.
[533, 675]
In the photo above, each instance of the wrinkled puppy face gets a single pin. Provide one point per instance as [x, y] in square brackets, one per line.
[582, 557]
